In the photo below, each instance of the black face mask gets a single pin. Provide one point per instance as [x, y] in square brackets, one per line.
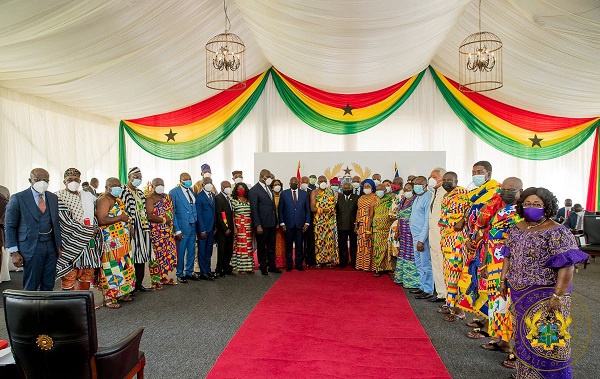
[294, 186]
[448, 186]
[509, 197]
[347, 192]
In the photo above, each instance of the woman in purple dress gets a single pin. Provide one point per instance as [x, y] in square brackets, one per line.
[538, 268]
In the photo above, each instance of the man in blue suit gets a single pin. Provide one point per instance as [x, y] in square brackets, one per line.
[33, 232]
[294, 218]
[184, 222]
[205, 207]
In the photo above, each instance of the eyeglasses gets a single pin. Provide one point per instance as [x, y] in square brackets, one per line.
[533, 205]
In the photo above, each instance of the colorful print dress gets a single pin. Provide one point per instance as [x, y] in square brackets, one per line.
[163, 239]
[326, 236]
[393, 245]
[454, 206]
[243, 245]
[364, 253]
[406, 269]
[381, 232]
[117, 275]
[280, 257]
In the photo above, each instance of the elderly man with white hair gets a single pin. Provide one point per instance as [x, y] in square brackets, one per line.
[435, 237]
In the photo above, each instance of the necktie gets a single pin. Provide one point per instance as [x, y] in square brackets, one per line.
[269, 192]
[42, 203]
[579, 225]
[187, 191]
[295, 197]
[347, 198]
[433, 200]
[567, 214]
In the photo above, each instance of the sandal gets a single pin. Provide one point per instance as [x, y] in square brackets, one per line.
[170, 282]
[112, 304]
[510, 362]
[376, 275]
[444, 309]
[453, 317]
[476, 323]
[477, 333]
[156, 286]
[241, 272]
[126, 298]
[493, 346]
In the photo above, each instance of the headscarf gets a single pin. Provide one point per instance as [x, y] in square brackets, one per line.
[205, 166]
[134, 170]
[72, 172]
[371, 182]
[334, 181]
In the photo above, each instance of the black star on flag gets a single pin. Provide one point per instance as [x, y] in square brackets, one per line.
[347, 171]
[347, 110]
[535, 141]
[170, 135]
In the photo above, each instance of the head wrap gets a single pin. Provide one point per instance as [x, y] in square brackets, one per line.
[371, 182]
[234, 173]
[134, 170]
[72, 172]
[205, 166]
[334, 181]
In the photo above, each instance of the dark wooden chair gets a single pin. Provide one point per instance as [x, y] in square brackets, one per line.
[591, 232]
[53, 335]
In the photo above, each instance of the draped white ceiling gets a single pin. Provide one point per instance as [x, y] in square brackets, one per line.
[131, 58]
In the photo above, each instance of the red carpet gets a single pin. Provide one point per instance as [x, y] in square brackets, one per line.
[342, 324]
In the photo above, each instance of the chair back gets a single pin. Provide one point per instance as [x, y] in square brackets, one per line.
[591, 229]
[52, 334]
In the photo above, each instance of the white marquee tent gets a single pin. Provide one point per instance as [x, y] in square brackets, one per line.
[70, 70]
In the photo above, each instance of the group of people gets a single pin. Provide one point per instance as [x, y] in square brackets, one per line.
[497, 251]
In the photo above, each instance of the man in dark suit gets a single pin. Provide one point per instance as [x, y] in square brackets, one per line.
[575, 219]
[294, 218]
[33, 232]
[264, 221]
[205, 207]
[563, 213]
[184, 223]
[224, 234]
[346, 208]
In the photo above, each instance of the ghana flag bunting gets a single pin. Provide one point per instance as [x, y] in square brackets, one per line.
[593, 197]
[342, 113]
[512, 130]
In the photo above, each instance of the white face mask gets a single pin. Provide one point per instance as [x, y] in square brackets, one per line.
[377, 181]
[208, 187]
[207, 175]
[388, 189]
[73, 186]
[159, 189]
[367, 191]
[304, 186]
[227, 191]
[322, 185]
[268, 181]
[432, 183]
[355, 185]
[41, 186]
[408, 195]
[276, 188]
[238, 180]
[568, 208]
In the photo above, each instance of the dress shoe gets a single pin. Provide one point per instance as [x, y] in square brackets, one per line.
[206, 277]
[275, 270]
[424, 296]
[230, 273]
[213, 275]
[288, 269]
[182, 280]
[194, 277]
[220, 275]
[264, 272]
[416, 291]
[437, 299]
[143, 289]
[299, 268]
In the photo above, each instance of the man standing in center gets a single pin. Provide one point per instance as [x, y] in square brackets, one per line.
[205, 208]
[419, 228]
[435, 237]
[264, 221]
[346, 207]
[224, 234]
[294, 218]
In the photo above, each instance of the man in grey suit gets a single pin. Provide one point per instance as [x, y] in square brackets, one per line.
[33, 232]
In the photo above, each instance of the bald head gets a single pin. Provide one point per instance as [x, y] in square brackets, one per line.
[38, 174]
[512, 183]
[157, 182]
[112, 182]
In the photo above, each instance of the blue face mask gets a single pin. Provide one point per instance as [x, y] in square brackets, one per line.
[136, 182]
[418, 189]
[116, 191]
[335, 188]
[478, 180]
[187, 183]
[380, 193]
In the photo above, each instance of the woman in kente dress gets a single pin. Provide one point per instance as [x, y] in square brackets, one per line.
[243, 244]
[406, 273]
[280, 258]
[364, 226]
[381, 230]
[322, 203]
[538, 268]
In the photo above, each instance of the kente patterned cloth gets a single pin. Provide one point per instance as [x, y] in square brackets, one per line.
[454, 206]
[393, 245]
[117, 275]
[470, 282]
[406, 269]
[542, 336]
[243, 247]
[163, 241]
[364, 253]
[135, 204]
[381, 233]
[325, 227]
